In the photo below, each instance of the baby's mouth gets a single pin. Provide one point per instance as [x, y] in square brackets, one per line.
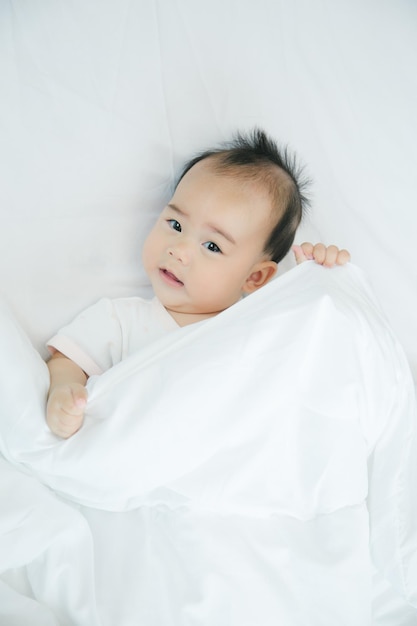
[170, 277]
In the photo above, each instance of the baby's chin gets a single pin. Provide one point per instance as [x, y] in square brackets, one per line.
[184, 316]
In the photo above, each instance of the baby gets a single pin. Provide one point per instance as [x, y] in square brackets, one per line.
[231, 220]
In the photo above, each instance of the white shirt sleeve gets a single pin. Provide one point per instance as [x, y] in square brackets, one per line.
[93, 340]
[110, 330]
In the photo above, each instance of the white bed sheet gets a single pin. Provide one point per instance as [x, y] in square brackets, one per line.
[267, 494]
[100, 104]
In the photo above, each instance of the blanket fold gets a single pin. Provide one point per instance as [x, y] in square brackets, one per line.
[221, 410]
[295, 407]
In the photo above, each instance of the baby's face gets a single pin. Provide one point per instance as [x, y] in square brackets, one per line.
[206, 248]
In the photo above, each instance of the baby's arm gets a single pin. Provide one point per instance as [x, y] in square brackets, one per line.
[324, 255]
[67, 396]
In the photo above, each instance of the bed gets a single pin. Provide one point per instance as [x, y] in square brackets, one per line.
[289, 495]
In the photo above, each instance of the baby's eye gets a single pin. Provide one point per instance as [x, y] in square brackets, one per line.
[174, 225]
[213, 247]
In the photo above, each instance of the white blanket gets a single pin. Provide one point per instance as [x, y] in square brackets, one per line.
[277, 433]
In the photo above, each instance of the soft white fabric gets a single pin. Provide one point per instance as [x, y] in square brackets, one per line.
[54, 540]
[245, 459]
[101, 102]
[110, 330]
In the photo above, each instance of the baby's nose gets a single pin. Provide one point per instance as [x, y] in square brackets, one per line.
[181, 252]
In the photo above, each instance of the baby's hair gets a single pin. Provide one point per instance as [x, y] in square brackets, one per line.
[255, 156]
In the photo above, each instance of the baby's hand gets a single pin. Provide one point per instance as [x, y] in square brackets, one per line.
[321, 254]
[65, 409]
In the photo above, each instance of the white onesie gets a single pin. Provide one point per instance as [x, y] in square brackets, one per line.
[110, 330]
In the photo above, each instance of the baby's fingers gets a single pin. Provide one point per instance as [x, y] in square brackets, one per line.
[66, 425]
[304, 252]
[79, 397]
[65, 409]
[343, 257]
[300, 257]
[318, 253]
[330, 256]
[73, 400]
[307, 249]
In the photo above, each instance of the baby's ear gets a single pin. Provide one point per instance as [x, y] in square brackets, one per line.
[261, 274]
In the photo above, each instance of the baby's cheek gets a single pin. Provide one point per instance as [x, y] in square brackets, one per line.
[148, 251]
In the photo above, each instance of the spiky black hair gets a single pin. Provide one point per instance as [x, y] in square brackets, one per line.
[257, 157]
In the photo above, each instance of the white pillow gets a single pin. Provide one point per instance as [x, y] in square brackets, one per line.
[24, 383]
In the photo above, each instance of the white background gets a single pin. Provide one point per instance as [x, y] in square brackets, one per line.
[101, 102]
